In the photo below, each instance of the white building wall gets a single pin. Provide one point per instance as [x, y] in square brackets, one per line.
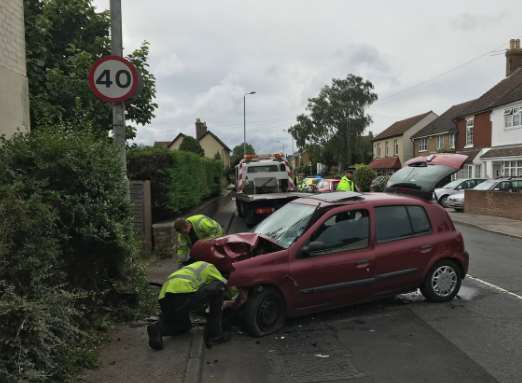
[500, 135]
[14, 92]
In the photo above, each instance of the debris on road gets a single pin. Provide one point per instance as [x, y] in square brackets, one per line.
[322, 356]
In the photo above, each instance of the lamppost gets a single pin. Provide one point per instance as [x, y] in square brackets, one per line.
[244, 120]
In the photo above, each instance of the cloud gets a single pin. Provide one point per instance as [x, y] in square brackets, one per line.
[469, 22]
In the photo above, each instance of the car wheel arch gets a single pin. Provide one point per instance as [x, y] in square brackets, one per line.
[455, 260]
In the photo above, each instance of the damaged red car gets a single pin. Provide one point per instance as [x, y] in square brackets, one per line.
[336, 249]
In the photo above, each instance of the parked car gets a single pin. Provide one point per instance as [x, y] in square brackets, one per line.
[442, 194]
[327, 185]
[336, 249]
[505, 184]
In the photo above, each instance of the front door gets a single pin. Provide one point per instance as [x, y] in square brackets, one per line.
[339, 267]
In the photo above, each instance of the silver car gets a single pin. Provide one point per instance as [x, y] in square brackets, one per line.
[442, 194]
[507, 184]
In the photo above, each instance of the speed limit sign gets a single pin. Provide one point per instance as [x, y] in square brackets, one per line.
[113, 79]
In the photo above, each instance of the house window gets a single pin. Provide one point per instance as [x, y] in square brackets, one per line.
[423, 144]
[386, 151]
[470, 125]
[378, 150]
[469, 171]
[395, 147]
[513, 118]
[440, 142]
[512, 168]
[477, 170]
[452, 141]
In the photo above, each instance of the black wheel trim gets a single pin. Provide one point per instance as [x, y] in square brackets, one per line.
[268, 313]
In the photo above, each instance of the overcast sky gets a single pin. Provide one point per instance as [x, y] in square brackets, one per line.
[420, 55]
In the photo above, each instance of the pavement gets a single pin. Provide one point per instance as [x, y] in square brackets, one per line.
[476, 338]
[498, 225]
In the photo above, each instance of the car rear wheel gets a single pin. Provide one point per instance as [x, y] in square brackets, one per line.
[442, 283]
[264, 312]
[443, 200]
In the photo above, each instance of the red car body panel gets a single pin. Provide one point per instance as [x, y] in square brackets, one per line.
[452, 160]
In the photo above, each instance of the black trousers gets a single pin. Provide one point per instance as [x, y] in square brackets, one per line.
[176, 308]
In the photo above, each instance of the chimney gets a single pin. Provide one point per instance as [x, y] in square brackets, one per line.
[201, 128]
[513, 56]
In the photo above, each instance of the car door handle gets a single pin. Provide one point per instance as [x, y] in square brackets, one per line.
[362, 263]
[425, 249]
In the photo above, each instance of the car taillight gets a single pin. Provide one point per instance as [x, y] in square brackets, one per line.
[264, 210]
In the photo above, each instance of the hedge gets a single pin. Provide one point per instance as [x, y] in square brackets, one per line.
[364, 176]
[180, 180]
[66, 247]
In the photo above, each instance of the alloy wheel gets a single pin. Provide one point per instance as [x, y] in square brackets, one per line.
[444, 280]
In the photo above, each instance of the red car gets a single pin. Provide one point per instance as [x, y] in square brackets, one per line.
[327, 185]
[336, 249]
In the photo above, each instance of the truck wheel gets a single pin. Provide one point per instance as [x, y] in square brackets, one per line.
[264, 312]
[442, 282]
[250, 216]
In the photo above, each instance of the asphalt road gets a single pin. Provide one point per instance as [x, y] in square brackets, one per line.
[475, 338]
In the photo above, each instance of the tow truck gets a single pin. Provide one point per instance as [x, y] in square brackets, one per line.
[263, 184]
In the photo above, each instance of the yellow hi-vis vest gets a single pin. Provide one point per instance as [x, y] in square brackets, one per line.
[190, 279]
[346, 184]
[204, 227]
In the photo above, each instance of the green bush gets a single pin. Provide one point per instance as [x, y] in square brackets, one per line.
[180, 180]
[363, 177]
[66, 248]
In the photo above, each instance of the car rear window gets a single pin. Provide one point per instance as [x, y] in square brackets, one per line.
[396, 222]
[263, 169]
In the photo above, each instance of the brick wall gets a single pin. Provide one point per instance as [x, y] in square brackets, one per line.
[481, 131]
[500, 204]
[432, 146]
[14, 99]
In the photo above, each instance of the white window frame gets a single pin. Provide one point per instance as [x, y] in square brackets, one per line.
[512, 168]
[440, 142]
[470, 127]
[386, 149]
[451, 139]
[423, 145]
[396, 147]
[510, 115]
[469, 170]
[378, 150]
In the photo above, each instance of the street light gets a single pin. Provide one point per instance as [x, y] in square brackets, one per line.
[244, 121]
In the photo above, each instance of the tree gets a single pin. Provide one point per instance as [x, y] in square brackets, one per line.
[190, 144]
[63, 39]
[237, 153]
[337, 118]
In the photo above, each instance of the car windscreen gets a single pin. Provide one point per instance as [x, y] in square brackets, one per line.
[422, 179]
[286, 224]
[263, 169]
[486, 185]
[452, 184]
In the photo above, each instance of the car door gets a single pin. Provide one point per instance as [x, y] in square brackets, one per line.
[403, 247]
[338, 268]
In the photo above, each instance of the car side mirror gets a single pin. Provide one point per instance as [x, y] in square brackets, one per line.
[308, 249]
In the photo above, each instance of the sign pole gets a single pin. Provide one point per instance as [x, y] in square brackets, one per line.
[118, 109]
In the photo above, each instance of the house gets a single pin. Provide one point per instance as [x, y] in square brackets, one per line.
[392, 147]
[14, 90]
[211, 144]
[439, 136]
[489, 130]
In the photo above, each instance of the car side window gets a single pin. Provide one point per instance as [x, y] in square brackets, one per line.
[419, 219]
[344, 231]
[392, 223]
[505, 186]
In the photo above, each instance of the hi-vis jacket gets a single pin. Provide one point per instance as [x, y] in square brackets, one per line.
[204, 227]
[346, 184]
[190, 279]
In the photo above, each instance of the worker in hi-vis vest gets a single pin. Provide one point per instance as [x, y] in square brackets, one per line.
[188, 289]
[190, 230]
[346, 184]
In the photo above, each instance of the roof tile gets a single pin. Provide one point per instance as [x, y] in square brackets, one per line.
[400, 127]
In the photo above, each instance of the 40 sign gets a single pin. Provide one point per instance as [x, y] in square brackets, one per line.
[113, 79]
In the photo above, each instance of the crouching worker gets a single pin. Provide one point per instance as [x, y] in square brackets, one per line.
[190, 230]
[185, 290]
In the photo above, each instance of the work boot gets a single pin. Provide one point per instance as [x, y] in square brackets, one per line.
[223, 338]
[155, 339]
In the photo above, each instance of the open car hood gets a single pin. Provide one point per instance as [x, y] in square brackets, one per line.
[224, 251]
[422, 175]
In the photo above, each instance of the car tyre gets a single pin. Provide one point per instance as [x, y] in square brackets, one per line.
[442, 282]
[265, 312]
[442, 200]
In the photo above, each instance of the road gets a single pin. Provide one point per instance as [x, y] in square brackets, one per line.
[475, 338]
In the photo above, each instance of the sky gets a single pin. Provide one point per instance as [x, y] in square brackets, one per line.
[206, 54]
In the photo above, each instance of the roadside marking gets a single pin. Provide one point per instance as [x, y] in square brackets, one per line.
[494, 287]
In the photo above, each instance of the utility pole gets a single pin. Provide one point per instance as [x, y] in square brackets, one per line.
[118, 109]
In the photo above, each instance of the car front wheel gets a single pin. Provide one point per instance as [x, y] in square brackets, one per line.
[442, 283]
[443, 200]
[264, 312]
